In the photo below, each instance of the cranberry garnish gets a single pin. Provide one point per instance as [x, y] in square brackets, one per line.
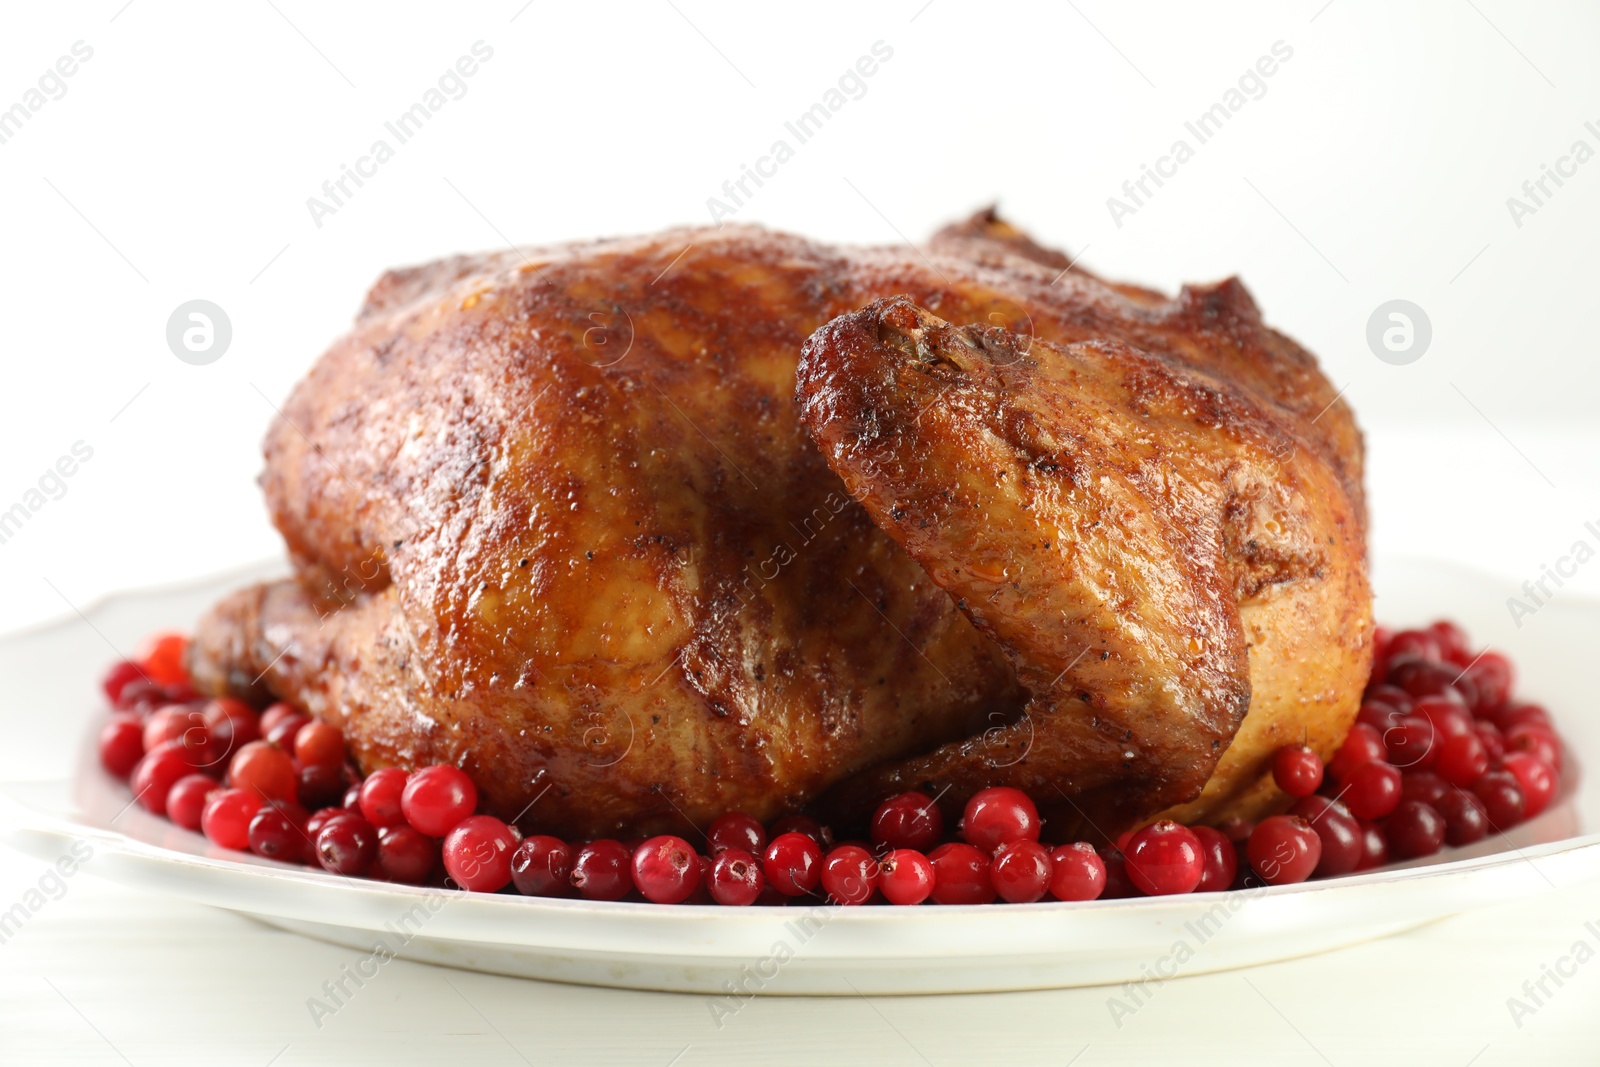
[1372, 790]
[905, 877]
[1453, 642]
[283, 732]
[1425, 786]
[803, 824]
[274, 835]
[666, 869]
[1220, 859]
[1462, 760]
[849, 875]
[1415, 829]
[793, 864]
[265, 768]
[600, 870]
[117, 677]
[1493, 676]
[141, 696]
[1494, 741]
[735, 829]
[320, 817]
[477, 853]
[121, 744]
[162, 656]
[1378, 714]
[998, 816]
[226, 818]
[352, 799]
[1511, 716]
[1423, 679]
[1362, 745]
[436, 798]
[1284, 849]
[736, 879]
[231, 724]
[541, 866]
[319, 785]
[1237, 830]
[1392, 695]
[910, 820]
[1374, 849]
[1410, 743]
[1164, 859]
[157, 772]
[1449, 717]
[1077, 872]
[380, 794]
[1118, 884]
[318, 744]
[961, 872]
[1338, 831]
[1420, 643]
[347, 844]
[1465, 819]
[1537, 741]
[1502, 797]
[186, 800]
[1297, 770]
[1021, 872]
[275, 714]
[1537, 780]
[406, 856]
[182, 724]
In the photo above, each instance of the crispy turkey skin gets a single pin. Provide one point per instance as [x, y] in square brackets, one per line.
[554, 517]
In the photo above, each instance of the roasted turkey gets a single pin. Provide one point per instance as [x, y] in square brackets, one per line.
[643, 530]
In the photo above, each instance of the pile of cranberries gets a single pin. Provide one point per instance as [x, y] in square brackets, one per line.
[1440, 754]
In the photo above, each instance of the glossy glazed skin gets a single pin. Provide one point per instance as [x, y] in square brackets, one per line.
[555, 518]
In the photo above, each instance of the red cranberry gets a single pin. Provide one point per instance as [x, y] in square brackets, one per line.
[1237, 830]
[793, 864]
[1462, 760]
[541, 866]
[737, 830]
[1374, 849]
[1381, 638]
[1077, 872]
[275, 714]
[231, 724]
[1538, 741]
[1494, 742]
[905, 877]
[1410, 743]
[1338, 831]
[849, 875]
[320, 817]
[910, 820]
[319, 786]
[1422, 679]
[477, 853]
[226, 818]
[1502, 797]
[1393, 696]
[1449, 718]
[601, 870]
[1378, 714]
[961, 872]
[1512, 716]
[437, 798]
[285, 730]
[380, 794]
[117, 677]
[1494, 677]
[1297, 770]
[157, 772]
[1221, 860]
[1284, 849]
[347, 844]
[1118, 885]
[1537, 780]
[1420, 643]
[142, 697]
[1165, 858]
[352, 799]
[1465, 818]
[405, 856]
[1414, 829]
[1021, 872]
[1424, 786]
[1452, 641]
[1372, 791]
[186, 800]
[319, 744]
[666, 869]
[265, 768]
[736, 879]
[274, 835]
[803, 824]
[998, 816]
[121, 744]
[163, 657]
[1362, 745]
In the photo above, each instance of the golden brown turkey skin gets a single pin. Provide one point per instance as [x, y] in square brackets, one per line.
[555, 518]
[1102, 513]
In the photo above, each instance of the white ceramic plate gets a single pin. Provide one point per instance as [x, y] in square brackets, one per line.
[55, 794]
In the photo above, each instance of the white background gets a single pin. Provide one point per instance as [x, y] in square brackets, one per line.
[1376, 166]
